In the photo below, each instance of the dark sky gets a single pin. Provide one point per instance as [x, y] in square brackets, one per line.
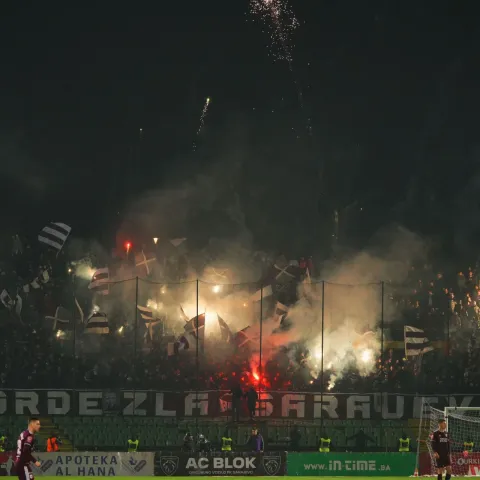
[391, 88]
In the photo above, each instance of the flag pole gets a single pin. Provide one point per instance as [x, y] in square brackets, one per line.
[322, 376]
[74, 353]
[135, 334]
[260, 369]
[382, 356]
[197, 360]
[448, 346]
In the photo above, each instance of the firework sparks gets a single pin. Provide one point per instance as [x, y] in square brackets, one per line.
[202, 119]
[280, 22]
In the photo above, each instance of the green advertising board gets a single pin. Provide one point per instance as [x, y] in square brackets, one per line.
[351, 464]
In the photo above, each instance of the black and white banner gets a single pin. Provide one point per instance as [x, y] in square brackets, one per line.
[55, 235]
[100, 281]
[416, 342]
[205, 404]
[221, 464]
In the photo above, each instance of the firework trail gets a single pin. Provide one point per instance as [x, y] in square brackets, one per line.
[202, 120]
[203, 115]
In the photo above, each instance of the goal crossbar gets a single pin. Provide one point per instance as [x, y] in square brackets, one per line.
[450, 411]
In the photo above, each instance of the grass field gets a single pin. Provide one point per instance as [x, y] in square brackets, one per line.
[233, 478]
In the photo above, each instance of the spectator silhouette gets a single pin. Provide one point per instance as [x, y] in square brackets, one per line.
[361, 440]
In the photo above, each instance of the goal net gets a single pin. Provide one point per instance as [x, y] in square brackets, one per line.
[463, 425]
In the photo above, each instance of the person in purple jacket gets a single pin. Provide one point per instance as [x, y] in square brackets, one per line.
[256, 441]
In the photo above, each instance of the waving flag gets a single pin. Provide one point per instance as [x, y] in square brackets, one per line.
[280, 313]
[142, 262]
[55, 235]
[100, 281]
[196, 327]
[6, 299]
[416, 342]
[150, 319]
[63, 317]
[97, 324]
[245, 337]
[224, 330]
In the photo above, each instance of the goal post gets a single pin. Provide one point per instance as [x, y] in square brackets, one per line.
[463, 425]
[464, 411]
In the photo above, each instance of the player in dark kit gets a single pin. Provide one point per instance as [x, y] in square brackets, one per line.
[25, 444]
[441, 448]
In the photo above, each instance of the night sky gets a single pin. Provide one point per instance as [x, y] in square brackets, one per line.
[391, 88]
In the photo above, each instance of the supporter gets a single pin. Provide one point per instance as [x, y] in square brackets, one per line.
[32, 355]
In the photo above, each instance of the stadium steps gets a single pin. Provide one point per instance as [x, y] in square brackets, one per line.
[413, 426]
[47, 427]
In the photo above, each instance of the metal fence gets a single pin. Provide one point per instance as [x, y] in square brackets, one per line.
[331, 338]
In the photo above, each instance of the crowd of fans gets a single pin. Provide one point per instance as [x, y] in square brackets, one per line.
[35, 355]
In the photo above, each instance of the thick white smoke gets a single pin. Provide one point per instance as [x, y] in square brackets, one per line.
[350, 305]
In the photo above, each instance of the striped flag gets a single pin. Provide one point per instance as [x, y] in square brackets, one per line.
[97, 323]
[55, 235]
[150, 319]
[416, 342]
[100, 281]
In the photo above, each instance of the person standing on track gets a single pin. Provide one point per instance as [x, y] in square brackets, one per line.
[441, 445]
[25, 444]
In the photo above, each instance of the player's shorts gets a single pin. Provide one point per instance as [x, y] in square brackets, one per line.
[24, 472]
[443, 461]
